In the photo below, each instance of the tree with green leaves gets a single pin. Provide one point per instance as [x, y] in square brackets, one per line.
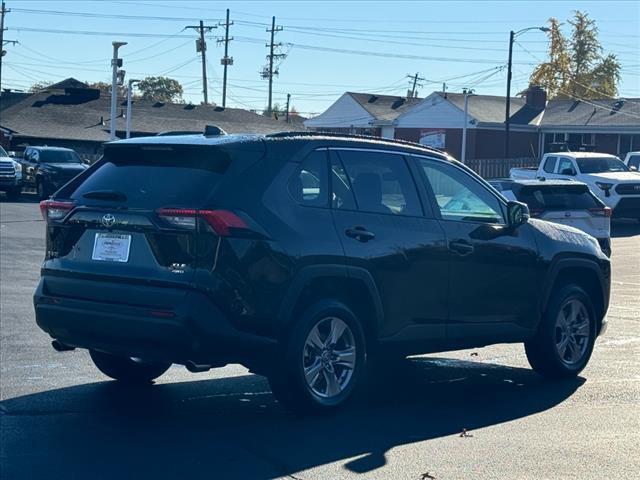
[576, 67]
[160, 89]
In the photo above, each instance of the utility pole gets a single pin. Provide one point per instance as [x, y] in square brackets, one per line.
[201, 46]
[268, 71]
[507, 114]
[129, 92]
[467, 93]
[226, 60]
[3, 11]
[115, 63]
[288, 102]
[415, 78]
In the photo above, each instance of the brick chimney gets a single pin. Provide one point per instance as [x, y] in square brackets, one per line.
[536, 97]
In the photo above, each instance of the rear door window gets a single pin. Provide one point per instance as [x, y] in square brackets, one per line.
[550, 164]
[565, 167]
[341, 192]
[151, 178]
[381, 182]
[309, 185]
[567, 197]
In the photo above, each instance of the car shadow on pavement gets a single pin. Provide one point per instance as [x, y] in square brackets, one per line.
[233, 428]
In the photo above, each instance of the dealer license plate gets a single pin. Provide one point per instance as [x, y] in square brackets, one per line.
[111, 247]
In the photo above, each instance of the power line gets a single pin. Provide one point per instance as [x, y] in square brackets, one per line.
[94, 33]
[107, 15]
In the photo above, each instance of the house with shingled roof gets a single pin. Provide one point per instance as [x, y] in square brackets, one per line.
[69, 114]
[363, 113]
[536, 125]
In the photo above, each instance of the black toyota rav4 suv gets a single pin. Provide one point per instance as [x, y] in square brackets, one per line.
[304, 257]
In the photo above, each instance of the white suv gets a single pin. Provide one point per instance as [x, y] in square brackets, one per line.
[562, 201]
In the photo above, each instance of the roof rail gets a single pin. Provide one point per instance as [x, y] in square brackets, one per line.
[350, 135]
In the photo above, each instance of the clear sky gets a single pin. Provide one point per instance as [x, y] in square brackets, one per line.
[331, 46]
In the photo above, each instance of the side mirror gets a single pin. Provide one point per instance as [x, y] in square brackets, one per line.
[517, 213]
[633, 168]
[568, 171]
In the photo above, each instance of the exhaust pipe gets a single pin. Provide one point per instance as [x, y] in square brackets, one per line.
[58, 346]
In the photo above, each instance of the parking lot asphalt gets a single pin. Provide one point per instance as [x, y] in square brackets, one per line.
[60, 418]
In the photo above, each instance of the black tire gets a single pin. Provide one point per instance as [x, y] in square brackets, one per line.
[544, 350]
[127, 369]
[287, 375]
[42, 189]
[14, 193]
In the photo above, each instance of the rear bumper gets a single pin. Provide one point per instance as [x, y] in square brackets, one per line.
[191, 330]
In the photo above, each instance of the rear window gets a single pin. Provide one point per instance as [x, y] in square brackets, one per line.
[574, 197]
[59, 156]
[152, 178]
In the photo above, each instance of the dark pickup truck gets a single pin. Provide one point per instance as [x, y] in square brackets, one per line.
[46, 169]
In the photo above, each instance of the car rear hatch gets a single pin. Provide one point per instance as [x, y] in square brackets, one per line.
[568, 204]
[136, 219]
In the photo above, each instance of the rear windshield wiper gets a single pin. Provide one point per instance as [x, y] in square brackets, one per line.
[106, 195]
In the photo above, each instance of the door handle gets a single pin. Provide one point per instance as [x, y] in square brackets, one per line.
[461, 246]
[360, 233]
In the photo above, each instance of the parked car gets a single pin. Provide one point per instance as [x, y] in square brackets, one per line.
[10, 176]
[49, 168]
[304, 257]
[632, 160]
[562, 201]
[606, 175]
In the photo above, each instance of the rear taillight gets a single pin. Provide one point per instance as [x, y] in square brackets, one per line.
[55, 210]
[223, 222]
[535, 212]
[600, 212]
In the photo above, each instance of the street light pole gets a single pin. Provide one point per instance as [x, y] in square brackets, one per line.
[115, 63]
[512, 36]
[467, 94]
[129, 91]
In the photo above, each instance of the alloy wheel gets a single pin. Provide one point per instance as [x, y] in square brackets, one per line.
[572, 332]
[329, 357]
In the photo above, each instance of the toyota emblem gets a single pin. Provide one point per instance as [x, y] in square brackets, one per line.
[108, 220]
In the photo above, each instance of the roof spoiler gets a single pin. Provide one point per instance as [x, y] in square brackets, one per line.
[213, 131]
